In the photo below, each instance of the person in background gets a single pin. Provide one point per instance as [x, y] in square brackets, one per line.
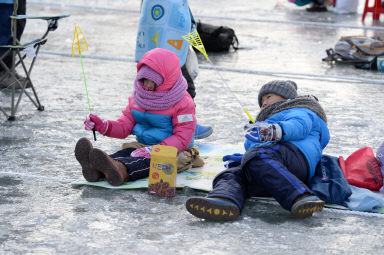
[316, 5]
[283, 148]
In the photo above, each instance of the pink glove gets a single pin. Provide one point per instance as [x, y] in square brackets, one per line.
[94, 122]
[142, 152]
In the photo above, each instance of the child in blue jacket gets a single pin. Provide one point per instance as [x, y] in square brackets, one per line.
[283, 148]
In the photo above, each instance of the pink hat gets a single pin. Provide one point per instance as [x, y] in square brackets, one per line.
[145, 72]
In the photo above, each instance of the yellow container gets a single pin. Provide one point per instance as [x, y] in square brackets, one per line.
[163, 171]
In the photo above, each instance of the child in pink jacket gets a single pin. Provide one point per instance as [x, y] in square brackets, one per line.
[160, 111]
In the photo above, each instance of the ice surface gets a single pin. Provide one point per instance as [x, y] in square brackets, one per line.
[41, 213]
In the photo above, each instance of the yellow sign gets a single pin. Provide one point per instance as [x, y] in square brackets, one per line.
[163, 171]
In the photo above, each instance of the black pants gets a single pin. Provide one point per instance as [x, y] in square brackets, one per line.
[319, 2]
[137, 167]
[279, 170]
[191, 85]
[20, 25]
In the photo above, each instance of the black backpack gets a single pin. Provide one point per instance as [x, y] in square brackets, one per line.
[362, 52]
[217, 38]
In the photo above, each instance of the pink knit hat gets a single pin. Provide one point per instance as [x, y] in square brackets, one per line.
[146, 72]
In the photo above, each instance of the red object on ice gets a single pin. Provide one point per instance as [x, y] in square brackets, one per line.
[376, 9]
[362, 169]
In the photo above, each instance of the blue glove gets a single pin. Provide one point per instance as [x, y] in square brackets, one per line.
[261, 132]
[232, 160]
[234, 157]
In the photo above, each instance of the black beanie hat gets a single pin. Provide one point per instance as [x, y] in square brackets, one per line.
[286, 89]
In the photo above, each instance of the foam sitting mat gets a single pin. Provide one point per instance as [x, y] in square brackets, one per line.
[201, 179]
[197, 178]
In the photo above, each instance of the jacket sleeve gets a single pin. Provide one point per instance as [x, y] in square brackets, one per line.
[122, 127]
[296, 124]
[184, 124]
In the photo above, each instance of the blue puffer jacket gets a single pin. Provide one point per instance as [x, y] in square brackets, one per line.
[305, 130]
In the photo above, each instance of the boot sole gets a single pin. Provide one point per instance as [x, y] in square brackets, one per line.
[103, 163]
[306, 208]
[82, 149]
[208, 210]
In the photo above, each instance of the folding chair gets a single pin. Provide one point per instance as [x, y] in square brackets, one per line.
[19, 52]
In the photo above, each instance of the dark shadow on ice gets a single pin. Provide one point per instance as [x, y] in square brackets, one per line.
[10, 190]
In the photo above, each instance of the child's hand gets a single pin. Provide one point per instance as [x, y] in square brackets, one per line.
[94, 122]
[236, 157]
[232, 160]
[142, 152]
[262, 132]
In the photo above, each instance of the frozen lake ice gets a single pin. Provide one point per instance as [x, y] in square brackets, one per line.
[42, 213]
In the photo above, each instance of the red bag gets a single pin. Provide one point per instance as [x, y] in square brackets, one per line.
[362, 169]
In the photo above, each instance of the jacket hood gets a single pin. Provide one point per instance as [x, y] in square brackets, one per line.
[165, 63]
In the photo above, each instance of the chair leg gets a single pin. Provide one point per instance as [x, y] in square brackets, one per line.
[20, 85]
[38, 105]
[365, 9]
[376, 9]
[27, 73]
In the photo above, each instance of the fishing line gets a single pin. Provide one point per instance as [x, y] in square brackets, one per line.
[230, 90]
[194, 39]
[79, 44]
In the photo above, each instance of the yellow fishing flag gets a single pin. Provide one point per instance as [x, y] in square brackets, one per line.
[79, 43]
[194, 39]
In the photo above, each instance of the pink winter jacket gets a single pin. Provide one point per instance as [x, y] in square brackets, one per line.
[174, 126]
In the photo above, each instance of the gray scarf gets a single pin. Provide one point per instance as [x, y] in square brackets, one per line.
[308, 102]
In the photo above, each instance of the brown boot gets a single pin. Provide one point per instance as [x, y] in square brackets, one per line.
[82, 149]
[115, 172]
